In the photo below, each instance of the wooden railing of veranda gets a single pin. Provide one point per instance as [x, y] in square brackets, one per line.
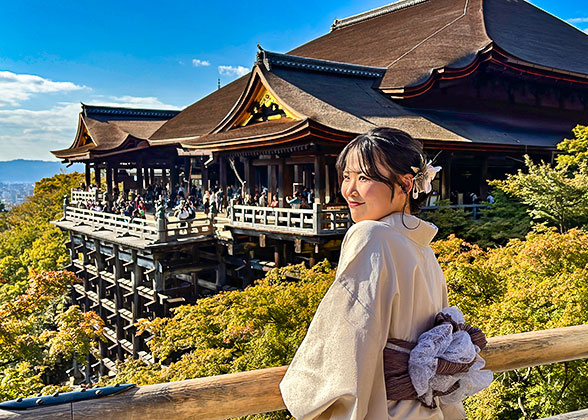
[257, 391]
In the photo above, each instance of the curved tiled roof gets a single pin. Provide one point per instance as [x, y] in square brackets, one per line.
[536, 36]
[338, 79]
[415, 38]
[111, 128]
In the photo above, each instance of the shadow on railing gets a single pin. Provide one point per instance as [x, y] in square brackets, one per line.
[315, 221]
[253, 392]
[160, 230]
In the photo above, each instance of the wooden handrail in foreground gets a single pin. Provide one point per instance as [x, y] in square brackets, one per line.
[257, 391]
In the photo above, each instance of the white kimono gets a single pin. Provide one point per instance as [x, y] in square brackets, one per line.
[388, 285]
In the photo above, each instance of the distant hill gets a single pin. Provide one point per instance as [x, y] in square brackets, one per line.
[21, 170]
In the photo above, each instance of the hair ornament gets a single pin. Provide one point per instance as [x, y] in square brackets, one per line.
[423, 178]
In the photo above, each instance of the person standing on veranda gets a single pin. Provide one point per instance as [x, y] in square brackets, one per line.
[388, 285]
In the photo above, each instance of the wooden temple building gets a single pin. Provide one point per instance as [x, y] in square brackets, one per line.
[480, 82]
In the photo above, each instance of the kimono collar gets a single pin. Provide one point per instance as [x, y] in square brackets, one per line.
[420, 231]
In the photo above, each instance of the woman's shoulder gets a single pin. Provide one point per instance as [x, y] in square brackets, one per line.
[373, 230]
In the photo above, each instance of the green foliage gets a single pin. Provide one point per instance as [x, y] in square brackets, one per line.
[20, 380]
[28, 222]
[76, 336]
[38, 332]
[47, 252]
[531, 284]
[504, 220]
[258, 327]
[449, 221]
[553, 196]
[576, 149]
[23, 319]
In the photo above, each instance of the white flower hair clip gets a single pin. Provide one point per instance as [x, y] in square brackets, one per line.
[423, 178]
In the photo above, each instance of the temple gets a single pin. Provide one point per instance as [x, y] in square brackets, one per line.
[480, 82]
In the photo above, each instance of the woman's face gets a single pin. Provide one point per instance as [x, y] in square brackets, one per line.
[369, 199]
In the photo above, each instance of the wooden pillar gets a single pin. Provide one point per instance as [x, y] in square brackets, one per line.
[277, 259]
[174, 179]
[118, 302]
[145, 177]
[164, 178]
[285, 179]
[204, 171]
[158, 280]
[319, 179]
[139, 166]
[297, 174]
[272, 180]
[221, 271]
[88, 177]
[115, 178]
[328, 180]
[136, 279]
[484, 184]
[152, 176]
[108, 182]
[446, 179]
[222, 163]
[187, 175]
[97, 174]
[249, 176]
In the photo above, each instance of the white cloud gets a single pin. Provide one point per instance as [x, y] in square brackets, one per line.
[200, 63]
[15, 88]
[32, 134]
[233, 71]
[578, 20]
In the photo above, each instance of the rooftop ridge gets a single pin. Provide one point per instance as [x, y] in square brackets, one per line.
[269, 59]
[127, 112]
[370, 14]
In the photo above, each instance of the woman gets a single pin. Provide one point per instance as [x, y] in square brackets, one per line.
[389, 285]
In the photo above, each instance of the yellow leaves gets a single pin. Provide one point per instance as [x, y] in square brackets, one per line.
[23, 317]
[530, 284]
[22, 380]
[76, 335]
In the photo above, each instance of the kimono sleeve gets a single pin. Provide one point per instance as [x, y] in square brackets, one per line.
[337, 372]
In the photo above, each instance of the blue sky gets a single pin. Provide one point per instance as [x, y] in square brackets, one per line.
[54, 55]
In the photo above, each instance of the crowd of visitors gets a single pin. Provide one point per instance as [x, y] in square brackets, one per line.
[184, 204]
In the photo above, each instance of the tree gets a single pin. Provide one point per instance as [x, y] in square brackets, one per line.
[258, 327]
[503, 220]
[576, 149]
[37, 332]
[531, 284]
[22, 225]
[553, 196]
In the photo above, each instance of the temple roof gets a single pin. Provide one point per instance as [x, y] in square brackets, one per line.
[201, 117]
[413, 39]
[317, 94]
[104, 129]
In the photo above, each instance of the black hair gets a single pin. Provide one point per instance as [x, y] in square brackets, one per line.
[393, 150]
